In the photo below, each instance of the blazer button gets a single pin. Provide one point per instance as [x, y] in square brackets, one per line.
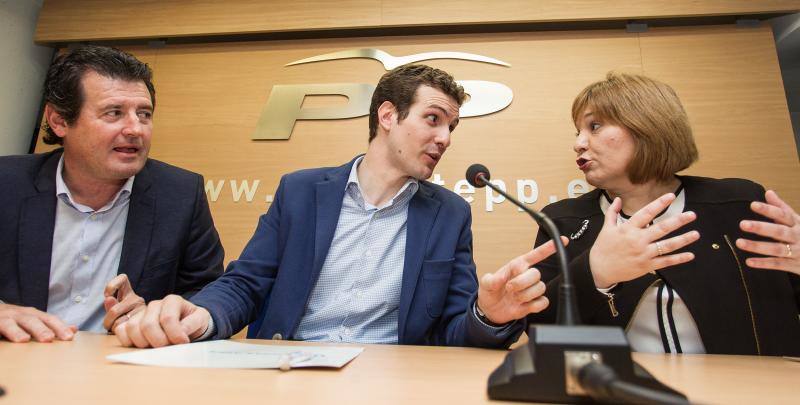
[277, 336]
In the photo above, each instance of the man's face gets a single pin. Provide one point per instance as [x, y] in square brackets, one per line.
[418, 142]
[111, 137]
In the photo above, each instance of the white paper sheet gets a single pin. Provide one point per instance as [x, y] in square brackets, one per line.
[228, 354]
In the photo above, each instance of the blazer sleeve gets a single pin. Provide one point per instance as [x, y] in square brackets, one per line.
[201, 259]
[460, 326]
[235, 299]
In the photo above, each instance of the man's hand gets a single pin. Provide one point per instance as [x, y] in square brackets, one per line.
[516, 289]
[120, 302]
[624, 252]
[170, 321]
[19, 324]
[784, 252]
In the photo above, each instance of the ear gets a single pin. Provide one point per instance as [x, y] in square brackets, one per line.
[387, 115]
[55, 121]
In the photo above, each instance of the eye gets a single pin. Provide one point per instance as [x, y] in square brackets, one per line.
[433, 118]
[145, 114]
[113, 113]
[594, 126]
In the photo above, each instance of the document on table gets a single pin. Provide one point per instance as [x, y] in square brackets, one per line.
[228, 354]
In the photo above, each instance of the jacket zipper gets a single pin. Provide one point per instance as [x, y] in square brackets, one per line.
[611, 305]
[747, 294]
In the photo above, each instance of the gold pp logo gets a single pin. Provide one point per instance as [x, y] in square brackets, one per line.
[284, 105]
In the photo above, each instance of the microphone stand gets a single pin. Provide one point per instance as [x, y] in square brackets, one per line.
[567, 312]
[569, 362]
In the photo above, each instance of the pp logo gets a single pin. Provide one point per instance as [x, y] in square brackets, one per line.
[284, 106]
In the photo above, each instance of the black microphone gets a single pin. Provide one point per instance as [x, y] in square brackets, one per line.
[478, 176]
[568, 362]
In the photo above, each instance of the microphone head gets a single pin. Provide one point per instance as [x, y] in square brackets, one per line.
[476, 174]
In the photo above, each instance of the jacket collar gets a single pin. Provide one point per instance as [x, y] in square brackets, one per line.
[329, 194]
[139, 226]
[35, 235]
[422, 211]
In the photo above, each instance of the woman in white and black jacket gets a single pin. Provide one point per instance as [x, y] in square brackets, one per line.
[678, 273]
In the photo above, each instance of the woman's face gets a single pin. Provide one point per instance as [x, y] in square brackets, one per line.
[603, 151]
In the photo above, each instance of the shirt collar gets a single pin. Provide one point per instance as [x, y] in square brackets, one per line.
[62, 191]
[354, 187]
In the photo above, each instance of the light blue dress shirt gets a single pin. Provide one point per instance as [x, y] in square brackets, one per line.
[357, 295]
[86, 249]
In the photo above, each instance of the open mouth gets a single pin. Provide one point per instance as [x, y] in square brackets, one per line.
[583, 164]
[126, 149]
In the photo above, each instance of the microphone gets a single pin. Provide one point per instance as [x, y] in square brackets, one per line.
[567, 362]
[478, 176]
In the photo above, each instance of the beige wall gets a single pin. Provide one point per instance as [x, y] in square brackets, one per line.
[81, 20]
[210, 97]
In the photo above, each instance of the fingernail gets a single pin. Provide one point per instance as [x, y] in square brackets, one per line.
[746, 224]
[757, 205]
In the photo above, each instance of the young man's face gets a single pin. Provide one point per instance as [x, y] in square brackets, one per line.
[418, 142]
[110, 139]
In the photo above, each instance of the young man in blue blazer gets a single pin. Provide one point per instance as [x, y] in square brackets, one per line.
[91, 231]
[367, 252]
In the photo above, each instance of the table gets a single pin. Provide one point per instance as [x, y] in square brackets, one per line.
[77, 372]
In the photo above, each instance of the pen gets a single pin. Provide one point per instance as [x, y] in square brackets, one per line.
[287, 361]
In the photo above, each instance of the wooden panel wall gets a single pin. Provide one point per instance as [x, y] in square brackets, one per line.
[210, 97]
[82, 20]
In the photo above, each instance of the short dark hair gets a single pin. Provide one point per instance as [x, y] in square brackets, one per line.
[399, 86]
[63, 88]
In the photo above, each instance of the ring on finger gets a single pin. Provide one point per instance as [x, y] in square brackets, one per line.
[659, 249]
[788, 250]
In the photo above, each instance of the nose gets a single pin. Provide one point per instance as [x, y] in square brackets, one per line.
[442, 138]
[581, 143]
[132, 125]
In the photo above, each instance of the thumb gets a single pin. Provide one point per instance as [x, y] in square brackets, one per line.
[109, 302]
[195, 323]
[495, 281]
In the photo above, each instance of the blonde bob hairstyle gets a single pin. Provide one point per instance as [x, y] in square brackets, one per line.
[652, 114]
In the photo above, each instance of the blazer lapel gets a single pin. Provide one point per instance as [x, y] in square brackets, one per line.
[422, 210]
[35, 238]
[138, 228]
[329, 195]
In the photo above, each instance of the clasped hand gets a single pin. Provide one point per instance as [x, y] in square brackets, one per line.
[171, 321]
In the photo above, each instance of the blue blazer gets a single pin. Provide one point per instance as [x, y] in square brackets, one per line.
[170, 243]
[272, 281]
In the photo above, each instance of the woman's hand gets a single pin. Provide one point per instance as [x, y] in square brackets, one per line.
[784, 252]
[627, 251]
